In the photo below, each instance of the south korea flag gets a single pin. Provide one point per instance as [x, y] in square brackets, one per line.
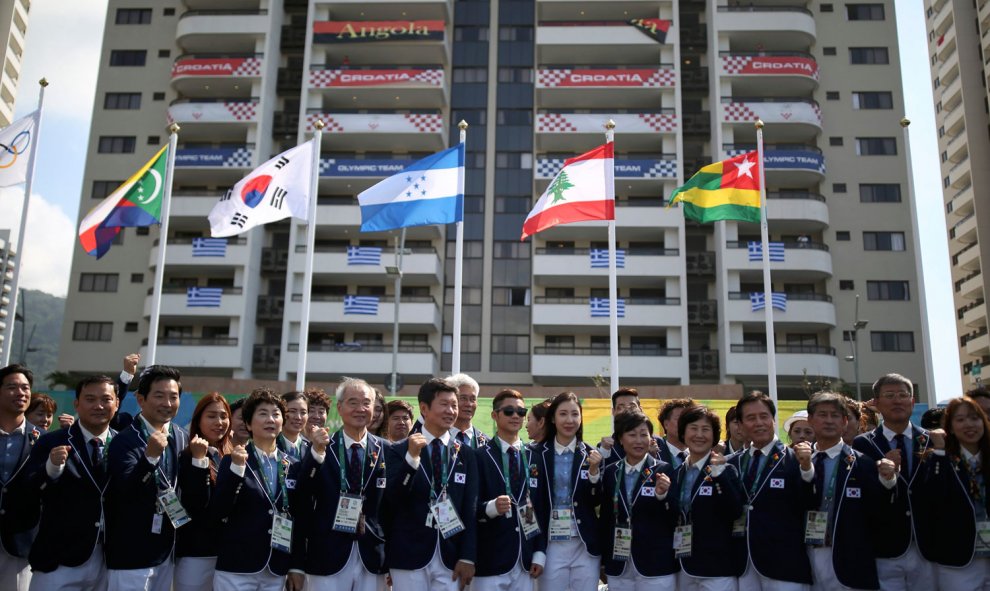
[274, 191]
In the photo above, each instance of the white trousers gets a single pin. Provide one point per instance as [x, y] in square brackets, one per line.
[908, 572]
[194, 573]
[156, 578]
[631, 580]
[263, 581]
[569, 567]
[975, 577]
[353, 577]
[517, 579]
[686, 582]
[823, 570]
[433, 577]
[88, 576]
[15, 573]
[754, 581]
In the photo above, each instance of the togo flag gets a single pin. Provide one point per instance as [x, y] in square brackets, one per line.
[726, 190]
[274, 191]
[17, 141]
[137, 202]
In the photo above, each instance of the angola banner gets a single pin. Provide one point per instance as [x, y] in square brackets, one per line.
[363, 31]
[654, 27]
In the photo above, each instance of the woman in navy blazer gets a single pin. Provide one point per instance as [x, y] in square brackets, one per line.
[954, 487]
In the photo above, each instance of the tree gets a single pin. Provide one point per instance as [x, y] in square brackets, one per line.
[560, 184]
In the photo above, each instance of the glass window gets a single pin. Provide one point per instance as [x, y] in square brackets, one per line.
[128, 57]
[876, 146]
[864, 12]
[102, 282]
[883, 241]
[868, 55]
[116, 144]
[880, 193]
[122, 100]
[873, 100]
[133, 16]
[888, 290]
[92, 331]
[101, 189]
[892, 341]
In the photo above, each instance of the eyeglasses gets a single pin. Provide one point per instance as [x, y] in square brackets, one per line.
[896, 395]
[513, 410]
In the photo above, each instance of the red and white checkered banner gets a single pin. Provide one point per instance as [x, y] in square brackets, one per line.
[244, 112]
[379, 123]
[595, 123]
[584, 78]
[774, 65]
[799, 112]
[339, 78]
[217, 67]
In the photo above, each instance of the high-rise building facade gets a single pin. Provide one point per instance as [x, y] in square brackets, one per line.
[958, 43]
[536, 81]
[13, 29]
[8, 262]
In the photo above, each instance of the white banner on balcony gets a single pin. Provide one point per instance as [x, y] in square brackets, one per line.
[213, 112]
[769, 65]
[799, 112]
[379, 122]
[605, 77]
[594, 122]
[217, 67]
[401, 78]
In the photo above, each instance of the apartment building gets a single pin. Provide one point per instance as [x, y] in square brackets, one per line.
[13, 28]
[8, 261]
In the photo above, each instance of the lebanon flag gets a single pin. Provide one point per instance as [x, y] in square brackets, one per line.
[583, 190]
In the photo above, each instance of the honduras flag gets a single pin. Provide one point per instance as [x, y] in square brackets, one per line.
[430, 191]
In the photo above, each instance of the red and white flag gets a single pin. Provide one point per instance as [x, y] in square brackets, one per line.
[583, 190]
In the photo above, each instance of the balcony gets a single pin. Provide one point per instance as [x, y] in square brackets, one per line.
[598, 9]
[797, 212]
[175, 304]
[221, 120]
[552, 364]
[221, 30]
[975, 315]
[639, 132]
[192, 204]
[201, 353]
[794, 120]
[417, 314]
[571, 267]
[965, 229]
[968, 259]
[415, 362]
[351, 175]
[364, 42]
[383, 131]
[626, 169]
[180, 253]
[363, 9]
[203, 164]
[560, 315]
[809, 260]
[585, 87]
[792, 361]
[775, 27]
[971, 286]
[419, 267]
[804, 310]
[977, 343]
[600, 42]
[379, 87]
[216, 75]
[787, 165]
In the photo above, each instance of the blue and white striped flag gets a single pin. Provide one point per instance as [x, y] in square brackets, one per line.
[599, 307]
[758, 302]
[367, 305]
[776, 251]
[599, 258]
[364, 255]
[209, 247]
[203, 297]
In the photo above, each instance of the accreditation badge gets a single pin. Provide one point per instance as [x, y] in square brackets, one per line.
[446, 517]
[527, 520]
[739, 525]
[347, 519]
[282, 533]
[682, 540]
[622, 543]
[983, 538]
[169, 503]
[815, 528]
[561, 524]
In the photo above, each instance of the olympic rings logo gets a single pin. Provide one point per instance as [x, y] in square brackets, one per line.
[9, 154]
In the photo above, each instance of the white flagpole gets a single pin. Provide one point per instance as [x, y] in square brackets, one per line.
[613, 289]
[8, 337]
[399, 248]
[310, 249]
[156, 294]
[767, 295]
[455, 363]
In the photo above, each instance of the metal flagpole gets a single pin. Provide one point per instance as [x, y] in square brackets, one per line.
[613, 289]
[156, 294]
[310, 248]
[455, 363]
[8, 338]
[399, 248]
[767, 291]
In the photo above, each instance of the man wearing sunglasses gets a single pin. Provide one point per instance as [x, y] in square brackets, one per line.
[507, 529]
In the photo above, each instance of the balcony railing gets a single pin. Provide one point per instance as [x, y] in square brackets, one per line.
[787, 245]
[807, 349]
[195, 341]
[796, 297]
[628, 301]
[362, 348]
[629, 251]
[321, 297]
[624, 352]
[751, 8]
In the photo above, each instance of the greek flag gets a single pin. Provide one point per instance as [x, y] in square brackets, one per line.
[776, 252]
[599, 258]
[364, 255]
[758, 302]
[599, 307]
[367, 305]
[209, 247]
[203, 297]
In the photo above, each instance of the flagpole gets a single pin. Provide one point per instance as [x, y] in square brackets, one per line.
[767, 295]
[455, 358]
[8, 339]
[613, 289]
[399, 248]
[156, 294]
[310, 249]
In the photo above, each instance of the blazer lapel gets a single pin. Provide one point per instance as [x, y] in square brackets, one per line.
[371, 454]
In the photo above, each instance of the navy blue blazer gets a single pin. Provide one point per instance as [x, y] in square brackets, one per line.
[314, 505]
[133, 497]
[244, 514]
[501, 542]
[585, 496]
[196, 486]
[121, 420]
[407, 494]
[652, 520]
[18, 501]
[944, 490]
[775, 526]
[716, 502]
[72, 504]
[283, 444]
[907, 521]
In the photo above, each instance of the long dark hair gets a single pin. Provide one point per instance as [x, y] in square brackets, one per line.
[952, 447]
[223, 446]
[550, 428]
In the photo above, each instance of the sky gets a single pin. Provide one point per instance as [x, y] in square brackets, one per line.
[63, 45]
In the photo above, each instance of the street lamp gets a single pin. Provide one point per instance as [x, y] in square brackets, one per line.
[857, 326]
[396, 272]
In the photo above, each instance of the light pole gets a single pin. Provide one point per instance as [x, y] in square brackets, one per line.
[396, 271]
[858, 325]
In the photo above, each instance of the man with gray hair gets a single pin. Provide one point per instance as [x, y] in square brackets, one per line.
[467, 404]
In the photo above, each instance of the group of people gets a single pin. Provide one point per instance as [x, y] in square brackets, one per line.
[260, 495]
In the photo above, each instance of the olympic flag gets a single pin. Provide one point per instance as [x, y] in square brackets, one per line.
[17, 141]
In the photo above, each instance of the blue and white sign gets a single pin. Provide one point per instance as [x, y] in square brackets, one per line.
[547, 168]
[332, 167]
[794, 160]
[222, 157]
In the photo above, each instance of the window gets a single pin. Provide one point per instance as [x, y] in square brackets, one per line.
[131, 327]
[880, 193]
[472, 75]
[847, 284]
[142, 230]
[122, 100]
[101, 189]
[164, 52]
[158, 96]
[883, 241]
[888, 290]
[868, 55]
[892, 341]
[137, 277]
[106, 282]
[835, 141]
[471, 34]
[842, 235]
[849, 335]
[116, 144]
[133, 16]
[515, 33]
[838, 187]
[826, 8]
[873, 100]
[154, 140]
[876, 146]
[514, 160]
[864, 12]
[521, 75]
[168, 12]
[92, 331]
[831, 95]
[128, 57]
[828, 51]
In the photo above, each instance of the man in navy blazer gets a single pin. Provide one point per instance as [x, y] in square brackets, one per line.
[69, 469]
[350, 465]
[18, 499]
[463, 429]
[432, 482]
[670, 447]
[122, 420]
[144, 463]
[903, 550]
[623, 400]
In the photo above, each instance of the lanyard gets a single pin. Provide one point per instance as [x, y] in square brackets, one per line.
[508, 476]
[759, 476]
[280, 471]
[342, 461]
[620, 480]
[159, 468]
[830, 489]
[444, 475]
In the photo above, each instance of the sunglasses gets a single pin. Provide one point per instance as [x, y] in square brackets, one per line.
[513, 410]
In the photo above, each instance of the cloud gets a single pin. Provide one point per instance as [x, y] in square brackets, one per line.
[48, 244]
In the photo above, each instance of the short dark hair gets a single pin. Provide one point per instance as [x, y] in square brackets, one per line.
[755, 396]
[629, 420]
[40, 399]
[258, 397]
[731, 415]
[827, 397]
[625, 392]
[17, 368]
[394, 406]
[932, 418]
[506, 393]
[157, 373]
[854, 409]
[318, 397]
[90, 380]
[433, 386]
[697, 413]
[670, 406]
[978, 392]
[539, 411]
[892, 378]
[238, 405]
[555, 402]
[293, 396]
